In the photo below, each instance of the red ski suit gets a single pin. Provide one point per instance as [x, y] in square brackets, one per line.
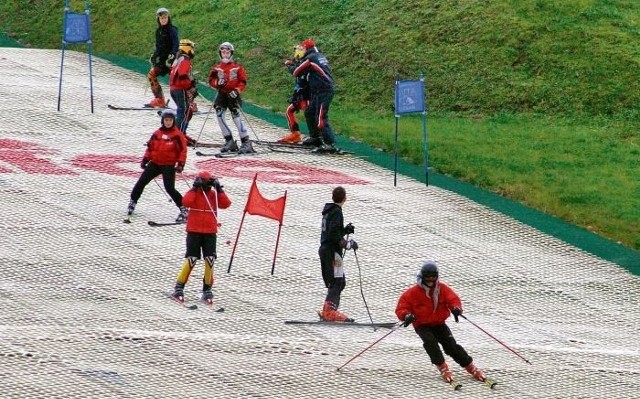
[234, 75]
[430, 307]
[201, 217]
[167, 147]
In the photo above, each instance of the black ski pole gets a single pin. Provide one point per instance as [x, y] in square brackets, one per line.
[244, 116]
[161, 189]
[496, 339]
[355, 253]
[398, 325]
[206, 118]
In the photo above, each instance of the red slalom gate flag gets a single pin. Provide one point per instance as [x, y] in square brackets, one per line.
[259, 205]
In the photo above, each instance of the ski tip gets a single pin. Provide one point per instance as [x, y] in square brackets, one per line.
[152, 223]
[220, 310]
[200, 154]
[127, 220]
[191, 307]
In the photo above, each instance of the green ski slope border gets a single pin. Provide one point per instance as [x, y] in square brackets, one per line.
[573, 235]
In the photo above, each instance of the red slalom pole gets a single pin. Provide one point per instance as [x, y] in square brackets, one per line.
[398, 325]
[496, 339]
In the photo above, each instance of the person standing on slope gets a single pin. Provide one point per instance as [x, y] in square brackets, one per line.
[230, 79]
[298, 101]
[332, 242]
[315, 66]
[427, 305]
[183, 86]
[166, 155]
[167, 43]
[202, 229]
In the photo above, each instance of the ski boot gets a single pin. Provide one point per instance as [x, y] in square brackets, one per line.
[178, 293]
[292, 138]
[229, 145]
[246, 147]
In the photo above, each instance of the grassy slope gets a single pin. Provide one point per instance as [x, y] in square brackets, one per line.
[535, 100]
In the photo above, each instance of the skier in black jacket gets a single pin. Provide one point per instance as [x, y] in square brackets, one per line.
[332, 242]
[167, 42]
[315, 65]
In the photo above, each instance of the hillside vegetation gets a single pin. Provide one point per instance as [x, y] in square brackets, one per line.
[535, 100]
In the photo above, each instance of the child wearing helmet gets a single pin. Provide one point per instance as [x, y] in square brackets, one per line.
[202, 228]
[167, 42]
[321, 90]
[427, 305]
[165, 155]
[230, 79]
[183, 86]
[297, 101]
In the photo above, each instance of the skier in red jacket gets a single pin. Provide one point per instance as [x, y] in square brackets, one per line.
[427, 305]
[183, 86]
[230, 79]
[202, 229]
[166, 155]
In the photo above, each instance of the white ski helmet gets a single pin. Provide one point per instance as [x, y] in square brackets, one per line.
[228, 46]
[161, 11]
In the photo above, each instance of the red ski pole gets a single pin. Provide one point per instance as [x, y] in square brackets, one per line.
[496, 339]
[398, 325]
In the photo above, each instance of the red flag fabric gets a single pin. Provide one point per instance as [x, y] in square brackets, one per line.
[259, 205]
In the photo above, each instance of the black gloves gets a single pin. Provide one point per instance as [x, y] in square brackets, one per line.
[456, 312]
[144, 162]
[220, 83]
[216, 184]
[408, 319]
[349, 229]
[179, 167]
[197, 182]
[153, 60]
[233, 93]
[351, 244]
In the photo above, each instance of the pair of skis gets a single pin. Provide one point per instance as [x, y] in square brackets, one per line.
[192, 306]
[488, 382]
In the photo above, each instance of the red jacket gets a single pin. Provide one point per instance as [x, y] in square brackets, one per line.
[180, 77]
[233, 74]
[167, 147]
[201, 218]
[431, 308]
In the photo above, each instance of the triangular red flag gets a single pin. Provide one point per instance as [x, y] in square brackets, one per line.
[259, 205]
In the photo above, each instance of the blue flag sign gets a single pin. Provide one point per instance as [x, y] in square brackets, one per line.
[76, 28]
[409, 96]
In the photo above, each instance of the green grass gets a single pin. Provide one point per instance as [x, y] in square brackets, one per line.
[536, 100]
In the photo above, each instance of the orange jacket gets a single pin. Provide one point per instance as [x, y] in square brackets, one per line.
[167, 147]
[201, 217]
[234, 75]
[431, 308]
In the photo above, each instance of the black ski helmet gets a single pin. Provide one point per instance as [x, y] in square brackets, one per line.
[428, 269]
[167, 113]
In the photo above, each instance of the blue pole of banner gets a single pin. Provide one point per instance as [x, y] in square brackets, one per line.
[424, 136]
[89, 51]
[395, 143]
[64, 45]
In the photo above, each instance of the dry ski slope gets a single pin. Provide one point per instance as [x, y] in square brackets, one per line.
[81, 293]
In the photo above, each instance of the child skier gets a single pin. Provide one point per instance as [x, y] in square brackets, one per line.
[427, 305]
[202, 228]
[183, 85]
[298, 101]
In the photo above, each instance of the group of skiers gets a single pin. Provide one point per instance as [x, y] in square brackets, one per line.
[426, 305]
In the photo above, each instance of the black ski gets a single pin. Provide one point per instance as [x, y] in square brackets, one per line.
[144, 108]
[288, 148]
[207, 145]
[341, 323]
[224, 154]
[211, 305]
[156, 224]
[488, 382]
[183, 304]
